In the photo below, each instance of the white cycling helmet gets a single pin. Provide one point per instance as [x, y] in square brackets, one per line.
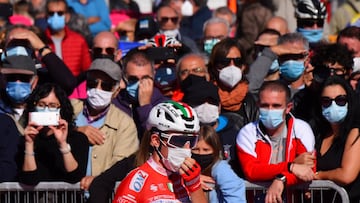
[173, 116]
[310, 9]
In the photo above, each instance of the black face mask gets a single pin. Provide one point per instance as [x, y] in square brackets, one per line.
[204, 160]
[190, 80]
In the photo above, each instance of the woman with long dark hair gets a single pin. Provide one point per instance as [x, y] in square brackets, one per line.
[338, 145]
[54, 152]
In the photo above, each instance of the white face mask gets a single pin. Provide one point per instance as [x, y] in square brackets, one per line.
[187, 8]
[230, 76]
[171, 33]
[207, 113]
[98, 99]
[176, 156]
[356, 66]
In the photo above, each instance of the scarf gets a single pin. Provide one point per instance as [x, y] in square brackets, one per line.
[232, 100]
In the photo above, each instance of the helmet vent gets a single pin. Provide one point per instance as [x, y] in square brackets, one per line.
[168, 117]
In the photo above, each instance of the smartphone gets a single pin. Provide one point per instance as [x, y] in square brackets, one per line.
[45, 118]
[161, 53]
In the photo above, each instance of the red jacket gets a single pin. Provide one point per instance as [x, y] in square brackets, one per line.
[75, 51]
[254, 150]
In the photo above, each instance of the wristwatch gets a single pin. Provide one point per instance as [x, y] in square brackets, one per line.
[281, 177]
[41, 50]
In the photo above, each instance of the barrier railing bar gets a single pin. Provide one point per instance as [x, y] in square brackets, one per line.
[8, 187]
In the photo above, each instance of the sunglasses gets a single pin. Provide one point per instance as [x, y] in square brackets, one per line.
[52, 13]
[166, 19]
[303, 23]
[340, 100]
[179, 140]
[287, 57]
[108, 50]
[18, 77]
[105, 85]
[226, 61]
[134, 79]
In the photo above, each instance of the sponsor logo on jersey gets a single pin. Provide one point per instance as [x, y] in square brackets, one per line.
[154, 188]
[138, 181]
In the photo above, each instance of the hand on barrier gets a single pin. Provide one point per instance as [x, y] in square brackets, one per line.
[273, 194]
[190, 171]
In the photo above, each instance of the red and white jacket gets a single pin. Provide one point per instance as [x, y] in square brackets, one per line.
[254, 150]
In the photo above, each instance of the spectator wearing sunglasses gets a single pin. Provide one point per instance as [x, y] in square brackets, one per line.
[111, 132]
[278, 142]
[338, 142]
[169, 23]
[140, 95]
[311, 16]
[226, 68]
[290, 54]
[164, 159]
[105, 45]
[20, 79]
[25, 41]
[70, 46]
[327, 60]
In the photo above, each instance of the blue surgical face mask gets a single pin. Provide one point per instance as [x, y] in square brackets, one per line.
[271, 118]
[274, 66]
[335, 113]
[312, 35]
[56, 22]
[209, 44]
[291, 70]
[16, 51]
[18, 92]
[132, 89]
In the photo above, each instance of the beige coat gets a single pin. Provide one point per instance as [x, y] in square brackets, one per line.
[120, 138]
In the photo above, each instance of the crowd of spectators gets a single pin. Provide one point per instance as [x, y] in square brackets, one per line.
[193, 100]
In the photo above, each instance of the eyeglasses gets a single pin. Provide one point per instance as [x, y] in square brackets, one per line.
[108, 50]
[18, 77]
[303, 23]
[105, 85]
[41, 106]
[337, 71]
[340, 100]
[60, 13]
[177, 139]
[164, 20]
[226, 61]
[194, 70]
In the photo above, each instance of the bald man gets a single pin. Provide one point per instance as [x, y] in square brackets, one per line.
[105, 45]
[279, 24]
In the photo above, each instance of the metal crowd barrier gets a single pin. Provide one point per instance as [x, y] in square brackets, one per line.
[61, 192]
